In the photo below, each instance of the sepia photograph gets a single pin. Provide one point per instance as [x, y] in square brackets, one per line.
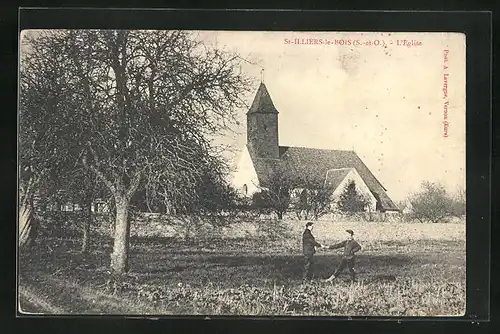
[241, 173]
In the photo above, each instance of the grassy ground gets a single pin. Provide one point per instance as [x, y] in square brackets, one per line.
[251, 270]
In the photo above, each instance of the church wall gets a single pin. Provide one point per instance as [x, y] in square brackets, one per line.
[245, 174]
[361, 188]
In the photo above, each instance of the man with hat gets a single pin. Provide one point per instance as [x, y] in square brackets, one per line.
[309, 245]
[350, 246]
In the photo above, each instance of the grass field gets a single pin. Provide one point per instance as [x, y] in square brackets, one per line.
[251, 269]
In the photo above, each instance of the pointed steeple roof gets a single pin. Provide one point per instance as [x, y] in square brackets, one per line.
[262, 102]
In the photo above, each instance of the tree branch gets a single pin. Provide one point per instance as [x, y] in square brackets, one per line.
[95, 169]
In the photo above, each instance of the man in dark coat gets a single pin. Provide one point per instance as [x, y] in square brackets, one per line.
[309, 245]
[350, 246]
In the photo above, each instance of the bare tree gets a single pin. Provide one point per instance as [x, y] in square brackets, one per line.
[320, 200]
[431, 204]
[300, 202]
[276, 196]
[288, 188]
[313, 200]
[145, 104]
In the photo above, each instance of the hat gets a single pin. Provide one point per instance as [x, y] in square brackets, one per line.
[350, 232]
[309, 224]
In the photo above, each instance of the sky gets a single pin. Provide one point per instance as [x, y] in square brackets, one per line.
[385, 102]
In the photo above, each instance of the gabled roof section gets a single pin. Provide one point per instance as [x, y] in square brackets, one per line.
[315, 163]
[313, 166]
[335, 176]
[262, 103]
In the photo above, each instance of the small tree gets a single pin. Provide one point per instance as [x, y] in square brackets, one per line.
[351, 201]
[319, 201]
[431, 204]
[277, 196]
[300, 203]
[314, 198]
[370, 216]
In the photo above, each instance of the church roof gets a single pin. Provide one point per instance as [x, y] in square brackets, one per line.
[315, 163]
[262, 102]
[335, 176]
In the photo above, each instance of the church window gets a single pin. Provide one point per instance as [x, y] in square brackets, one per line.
[245, 189]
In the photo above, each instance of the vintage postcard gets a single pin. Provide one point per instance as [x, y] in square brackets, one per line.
[248, 173]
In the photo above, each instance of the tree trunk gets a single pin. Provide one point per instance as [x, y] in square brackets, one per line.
[26, 225]
[119, 257]
[86, 227]
[88, 202]
[28, 222]
[127, 242]
[280, 215]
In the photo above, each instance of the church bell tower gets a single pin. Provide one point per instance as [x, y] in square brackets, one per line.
[262, 126]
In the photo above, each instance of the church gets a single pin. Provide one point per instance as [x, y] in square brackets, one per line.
[262, 154]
